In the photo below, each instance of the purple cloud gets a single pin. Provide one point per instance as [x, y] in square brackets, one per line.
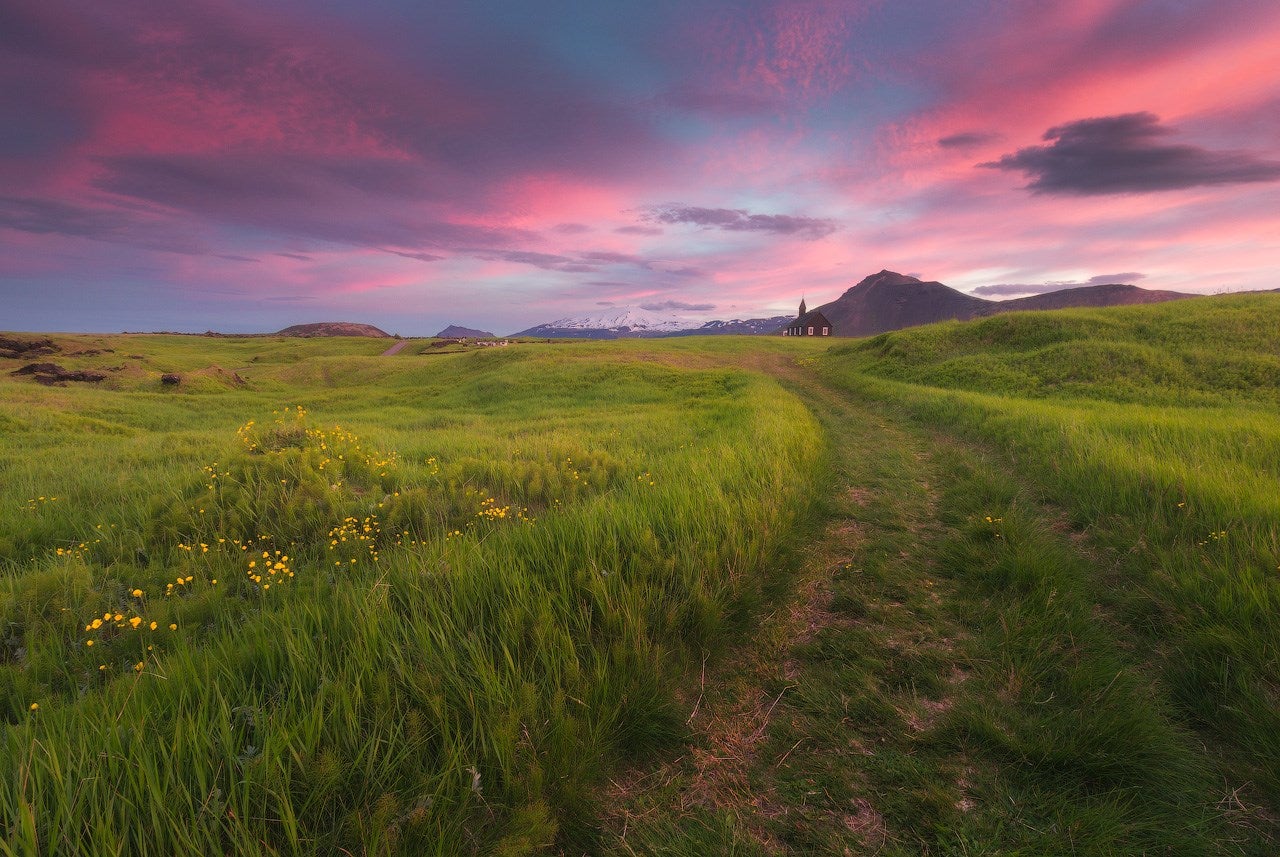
[1122, 154]
[741, 220]
[967, 139]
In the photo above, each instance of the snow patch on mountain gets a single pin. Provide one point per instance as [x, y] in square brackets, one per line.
[629, 318]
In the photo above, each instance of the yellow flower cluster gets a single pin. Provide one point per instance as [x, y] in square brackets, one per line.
[179, 581]
[359, 533]
[345, 446]
[490, 510]
[1215, 536]
[77, 552]
[245, 433]
[645, 477]
[109, 623]
[211, 473]
[274, 569]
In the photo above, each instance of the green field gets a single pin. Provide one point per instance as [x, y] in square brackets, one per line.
[1008, 586]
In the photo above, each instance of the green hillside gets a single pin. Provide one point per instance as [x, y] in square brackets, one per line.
[1008, 586]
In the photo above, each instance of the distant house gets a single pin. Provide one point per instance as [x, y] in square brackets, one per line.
[808, 324]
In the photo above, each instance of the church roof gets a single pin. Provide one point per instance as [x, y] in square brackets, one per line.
[813, 317]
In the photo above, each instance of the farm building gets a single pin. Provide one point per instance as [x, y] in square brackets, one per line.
[808, 324]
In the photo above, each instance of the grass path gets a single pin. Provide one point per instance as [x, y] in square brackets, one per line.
[939, 678]
[395, 349]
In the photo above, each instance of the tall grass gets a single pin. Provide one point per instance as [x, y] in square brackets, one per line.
[474, 578]
[1158, 435]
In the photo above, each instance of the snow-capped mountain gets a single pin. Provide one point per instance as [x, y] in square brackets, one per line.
[626, 321]
[612, 323]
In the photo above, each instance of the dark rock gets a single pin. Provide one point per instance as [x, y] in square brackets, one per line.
[51, 374]
[16, 349]
[171, 378]
[39, 369]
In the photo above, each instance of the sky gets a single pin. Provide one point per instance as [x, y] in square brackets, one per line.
[243, 166]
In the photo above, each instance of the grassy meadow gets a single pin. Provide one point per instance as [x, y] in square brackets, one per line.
[1010, 586]
[380, 604]
[1156, 432]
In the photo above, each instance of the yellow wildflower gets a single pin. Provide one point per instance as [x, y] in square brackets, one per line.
[135, 622]
[137, 593]
[153, 626]
[35, 706]
[173, 627]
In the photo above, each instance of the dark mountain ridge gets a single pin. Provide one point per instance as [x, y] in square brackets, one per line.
[454, 331]
[891, 301]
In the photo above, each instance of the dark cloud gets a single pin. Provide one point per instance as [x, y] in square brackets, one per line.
[571, 228]
[1123, 154]
[298, 256]
[234, 258]
[687, 271]
[677, 305]
[1008, 290]
[546, 261]
[741, 220]
[616, 259]
[372, 202]
[421, 257]
[1106, 279]
[639, 230]
[967, 139]
[53, 217]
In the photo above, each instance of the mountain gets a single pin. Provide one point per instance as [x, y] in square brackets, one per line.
[455, 332]
[612, 324]
[891, 301]
[1111, 294]
[334, 328]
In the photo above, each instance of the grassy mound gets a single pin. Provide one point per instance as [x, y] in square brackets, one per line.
[1155, 430]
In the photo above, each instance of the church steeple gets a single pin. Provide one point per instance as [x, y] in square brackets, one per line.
[803, 308]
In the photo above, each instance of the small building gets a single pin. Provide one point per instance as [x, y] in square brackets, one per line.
[808, 324]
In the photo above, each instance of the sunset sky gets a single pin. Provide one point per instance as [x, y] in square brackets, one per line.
[242, 166]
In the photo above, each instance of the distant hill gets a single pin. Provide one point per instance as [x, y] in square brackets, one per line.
[891, 301]
[455, 332]
[1111, 294]
[334, 328]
